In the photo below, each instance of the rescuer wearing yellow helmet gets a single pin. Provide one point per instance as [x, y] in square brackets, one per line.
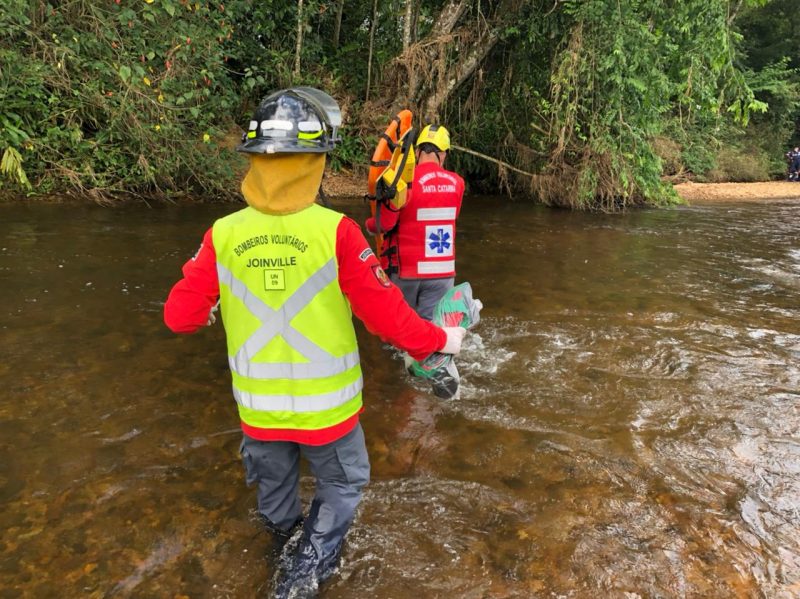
[287, 273]
[419, 244]
[435, 135]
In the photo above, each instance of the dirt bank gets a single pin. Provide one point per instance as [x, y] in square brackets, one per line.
[346, 184]
[709, 193]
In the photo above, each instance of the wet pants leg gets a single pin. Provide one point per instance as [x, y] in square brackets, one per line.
[275, 467]
[423, 294]
[430, 292]
[341, 470]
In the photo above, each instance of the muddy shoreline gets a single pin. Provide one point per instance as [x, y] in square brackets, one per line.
[762, 191]
[348, 185]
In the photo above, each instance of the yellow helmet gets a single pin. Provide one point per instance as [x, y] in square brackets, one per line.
[436, 135]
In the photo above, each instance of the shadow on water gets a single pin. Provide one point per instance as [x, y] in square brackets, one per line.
[627, 426]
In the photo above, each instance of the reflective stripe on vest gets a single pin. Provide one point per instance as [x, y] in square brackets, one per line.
[277, 322]
[435, 268]
[436, 214]
[293, 403]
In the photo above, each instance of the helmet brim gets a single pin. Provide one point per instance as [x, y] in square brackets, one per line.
[274, 146]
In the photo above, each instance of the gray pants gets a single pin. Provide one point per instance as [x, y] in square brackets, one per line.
[423, 294]
[341, 470]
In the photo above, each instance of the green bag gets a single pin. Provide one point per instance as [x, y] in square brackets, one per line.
[456, 309]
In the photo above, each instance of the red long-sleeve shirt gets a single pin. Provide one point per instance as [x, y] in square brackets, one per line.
[374, 300]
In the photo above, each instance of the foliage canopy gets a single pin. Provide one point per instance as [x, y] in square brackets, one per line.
[605, 102]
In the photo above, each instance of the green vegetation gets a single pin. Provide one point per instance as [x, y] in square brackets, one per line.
[607, 102]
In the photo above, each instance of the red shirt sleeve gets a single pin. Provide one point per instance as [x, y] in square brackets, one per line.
[191, 299]
[389, 219]
[375, 299]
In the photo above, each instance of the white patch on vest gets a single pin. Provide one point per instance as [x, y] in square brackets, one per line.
[438, 241]
[436, 268]
[436, 214]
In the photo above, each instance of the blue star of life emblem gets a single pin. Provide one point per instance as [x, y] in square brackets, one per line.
[439, 241]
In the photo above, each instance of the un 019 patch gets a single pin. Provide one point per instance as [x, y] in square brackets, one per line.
[274, 279]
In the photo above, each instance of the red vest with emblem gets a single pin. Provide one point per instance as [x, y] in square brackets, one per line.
[423, 244]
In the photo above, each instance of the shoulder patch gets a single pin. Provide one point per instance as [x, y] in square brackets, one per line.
[380, 275]
[365, 254]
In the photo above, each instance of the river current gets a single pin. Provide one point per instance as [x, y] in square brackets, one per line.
[628, 424]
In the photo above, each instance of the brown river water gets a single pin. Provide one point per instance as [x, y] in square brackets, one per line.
[628, 424]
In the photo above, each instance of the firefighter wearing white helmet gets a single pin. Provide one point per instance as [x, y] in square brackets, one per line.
[288, 273]
[419, 249]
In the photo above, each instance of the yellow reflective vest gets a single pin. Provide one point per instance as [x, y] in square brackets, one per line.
[291, 344]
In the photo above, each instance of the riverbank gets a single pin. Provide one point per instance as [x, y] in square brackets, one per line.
[348, 184]
[713, 193]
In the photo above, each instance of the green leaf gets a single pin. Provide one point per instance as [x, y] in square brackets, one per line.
[11, 167]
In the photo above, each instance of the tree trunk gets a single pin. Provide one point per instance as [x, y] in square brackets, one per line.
[407, 24]
[449, 17]
[299, 46]
[444, 25]
[372, 26]
[414, 23]
[427, 74]
[337, 27]
[459, 73]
